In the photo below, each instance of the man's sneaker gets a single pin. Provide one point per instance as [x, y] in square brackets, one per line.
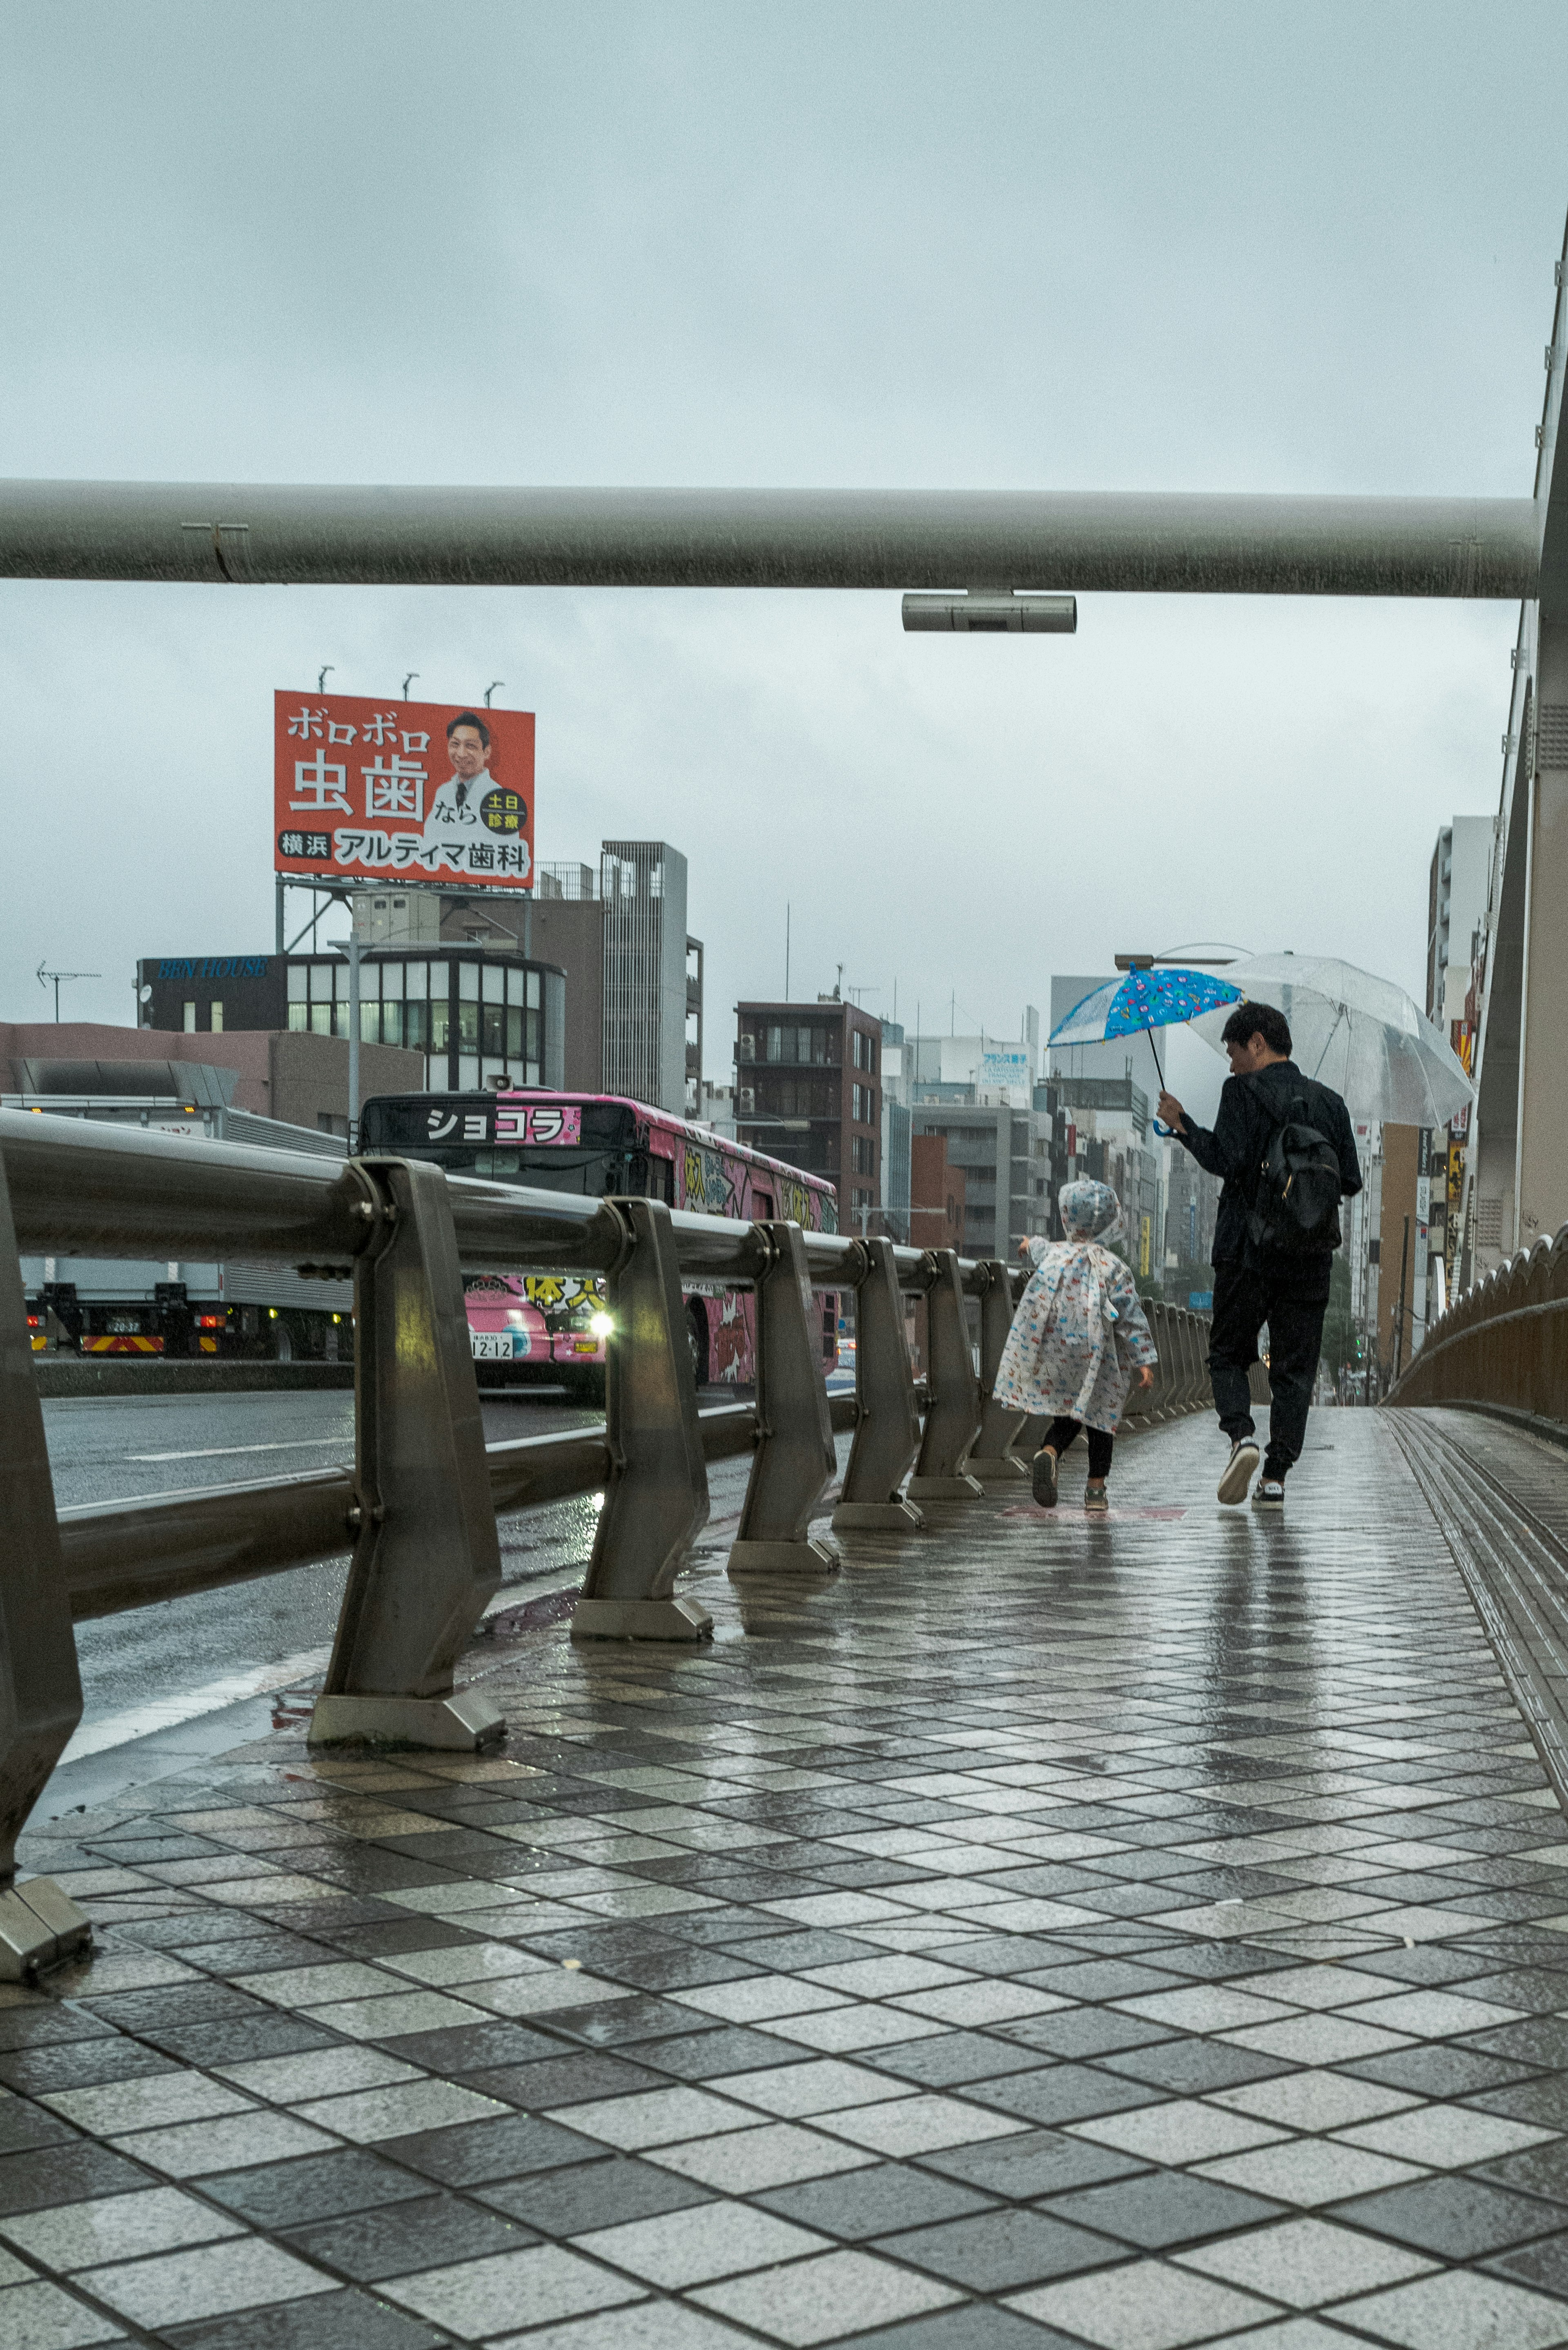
[1239, 1471]
[1094, 1500]
[1270, 1495]
[1043, 1482]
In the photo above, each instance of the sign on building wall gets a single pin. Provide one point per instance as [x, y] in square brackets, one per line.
[369, 790]
[1007, 1070]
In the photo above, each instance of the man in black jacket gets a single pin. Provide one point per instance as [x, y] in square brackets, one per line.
[1252, 1286]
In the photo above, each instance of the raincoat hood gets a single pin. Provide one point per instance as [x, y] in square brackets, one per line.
[1089, 1209]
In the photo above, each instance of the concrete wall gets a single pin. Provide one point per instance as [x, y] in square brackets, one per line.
[309, 1075]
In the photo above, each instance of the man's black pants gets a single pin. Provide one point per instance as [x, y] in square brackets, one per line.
[1243, 1302]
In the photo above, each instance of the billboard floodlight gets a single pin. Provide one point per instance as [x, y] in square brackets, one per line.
[994, 611]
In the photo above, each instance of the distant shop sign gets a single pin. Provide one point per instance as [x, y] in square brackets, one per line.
[213, 966]
[413, 792]
[1009, 1073]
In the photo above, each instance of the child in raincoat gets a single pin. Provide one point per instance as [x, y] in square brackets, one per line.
[1076, 1338]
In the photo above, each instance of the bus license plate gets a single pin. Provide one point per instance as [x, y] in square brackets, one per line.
[490, 1346]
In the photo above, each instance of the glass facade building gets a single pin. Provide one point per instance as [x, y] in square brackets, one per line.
[474, 1016]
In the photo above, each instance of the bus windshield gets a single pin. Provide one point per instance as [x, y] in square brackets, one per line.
[596, 1147]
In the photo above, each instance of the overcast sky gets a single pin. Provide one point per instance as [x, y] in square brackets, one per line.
[1013, 244]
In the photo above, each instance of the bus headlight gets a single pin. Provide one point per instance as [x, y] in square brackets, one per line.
[600, 1324]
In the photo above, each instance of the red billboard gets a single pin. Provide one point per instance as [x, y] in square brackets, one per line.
[378, 791]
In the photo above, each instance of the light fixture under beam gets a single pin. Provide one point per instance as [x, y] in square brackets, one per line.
[994, 611]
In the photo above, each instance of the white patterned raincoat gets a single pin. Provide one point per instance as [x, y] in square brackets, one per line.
[1080, 1327]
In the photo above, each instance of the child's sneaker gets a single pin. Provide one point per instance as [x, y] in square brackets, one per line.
[1270, 1495]
[1239, 1470]
[1094, 1500]
[1042, 1481]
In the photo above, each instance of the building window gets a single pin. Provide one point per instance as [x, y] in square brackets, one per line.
[215, 1018]
[789, 1044]
[863, 1104]
[863, 1155]
[190, 1020]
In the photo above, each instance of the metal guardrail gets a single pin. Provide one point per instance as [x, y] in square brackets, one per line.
[1502, 1343]
[418, 1511]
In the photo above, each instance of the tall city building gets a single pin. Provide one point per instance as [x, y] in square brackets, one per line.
[1458, 884]
[1456, 889]
[634, 975]
[808, 1089]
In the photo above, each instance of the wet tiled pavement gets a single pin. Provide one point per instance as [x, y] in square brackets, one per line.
[1136, 1933]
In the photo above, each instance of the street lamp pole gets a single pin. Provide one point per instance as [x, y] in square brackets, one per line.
[351, 947]
[353, 1040]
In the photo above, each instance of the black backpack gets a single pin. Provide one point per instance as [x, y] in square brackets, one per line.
[1295, 1205]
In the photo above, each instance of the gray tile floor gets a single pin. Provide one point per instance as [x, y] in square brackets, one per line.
[1130, 1933]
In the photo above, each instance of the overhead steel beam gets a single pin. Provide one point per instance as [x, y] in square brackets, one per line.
[1187, 543]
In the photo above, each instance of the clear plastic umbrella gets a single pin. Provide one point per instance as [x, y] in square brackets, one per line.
[1359, 1034]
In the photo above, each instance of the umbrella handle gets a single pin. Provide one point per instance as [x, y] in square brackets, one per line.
[1166, 1133]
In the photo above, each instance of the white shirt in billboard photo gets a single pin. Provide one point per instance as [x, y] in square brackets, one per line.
[469, 824]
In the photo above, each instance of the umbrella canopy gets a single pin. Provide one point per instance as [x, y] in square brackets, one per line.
[1359, 1034]
[1141, 1000]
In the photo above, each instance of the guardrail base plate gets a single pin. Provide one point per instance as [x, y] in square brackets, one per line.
[40, 1926]
[640, 1619]
[997, 1468]
[877, 1518]
[814, 1558]
[460, 1722]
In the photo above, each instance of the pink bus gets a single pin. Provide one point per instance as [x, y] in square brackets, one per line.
[551, 1328]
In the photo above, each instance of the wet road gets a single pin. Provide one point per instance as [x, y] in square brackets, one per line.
[187, 1656]
[112, 1449]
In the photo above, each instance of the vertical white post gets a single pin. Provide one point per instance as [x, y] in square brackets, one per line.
[353, 1037]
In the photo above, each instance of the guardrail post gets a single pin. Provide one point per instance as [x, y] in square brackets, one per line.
[952, 1412]
[887, 1418]
[426, 1558]
[1176, 1347]
[40, 1691]
[991, 1458]
[657, 1501]
[795, 1456]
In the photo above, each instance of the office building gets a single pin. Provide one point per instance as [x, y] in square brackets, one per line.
[1002, 1155]
[1457, 886]
[983, 1067]
[936, 1196]
[1107, 1139]
[634, 976]
[809, 1090]
[461, 1018]
[1191, 1205]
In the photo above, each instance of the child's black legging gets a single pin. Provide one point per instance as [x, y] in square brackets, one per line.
[1063, 1432]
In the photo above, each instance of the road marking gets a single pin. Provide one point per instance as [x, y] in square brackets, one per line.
[169, 1713]
[225, 1451]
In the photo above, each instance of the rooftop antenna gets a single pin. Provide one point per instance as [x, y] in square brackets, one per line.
[408, 681]
[489, 688]
[321, 677]
[46, 976]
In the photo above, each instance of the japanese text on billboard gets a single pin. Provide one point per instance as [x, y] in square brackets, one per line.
[407, 791]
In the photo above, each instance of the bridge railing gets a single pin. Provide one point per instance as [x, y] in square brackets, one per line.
[418, 1511]
[1503, 1343]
